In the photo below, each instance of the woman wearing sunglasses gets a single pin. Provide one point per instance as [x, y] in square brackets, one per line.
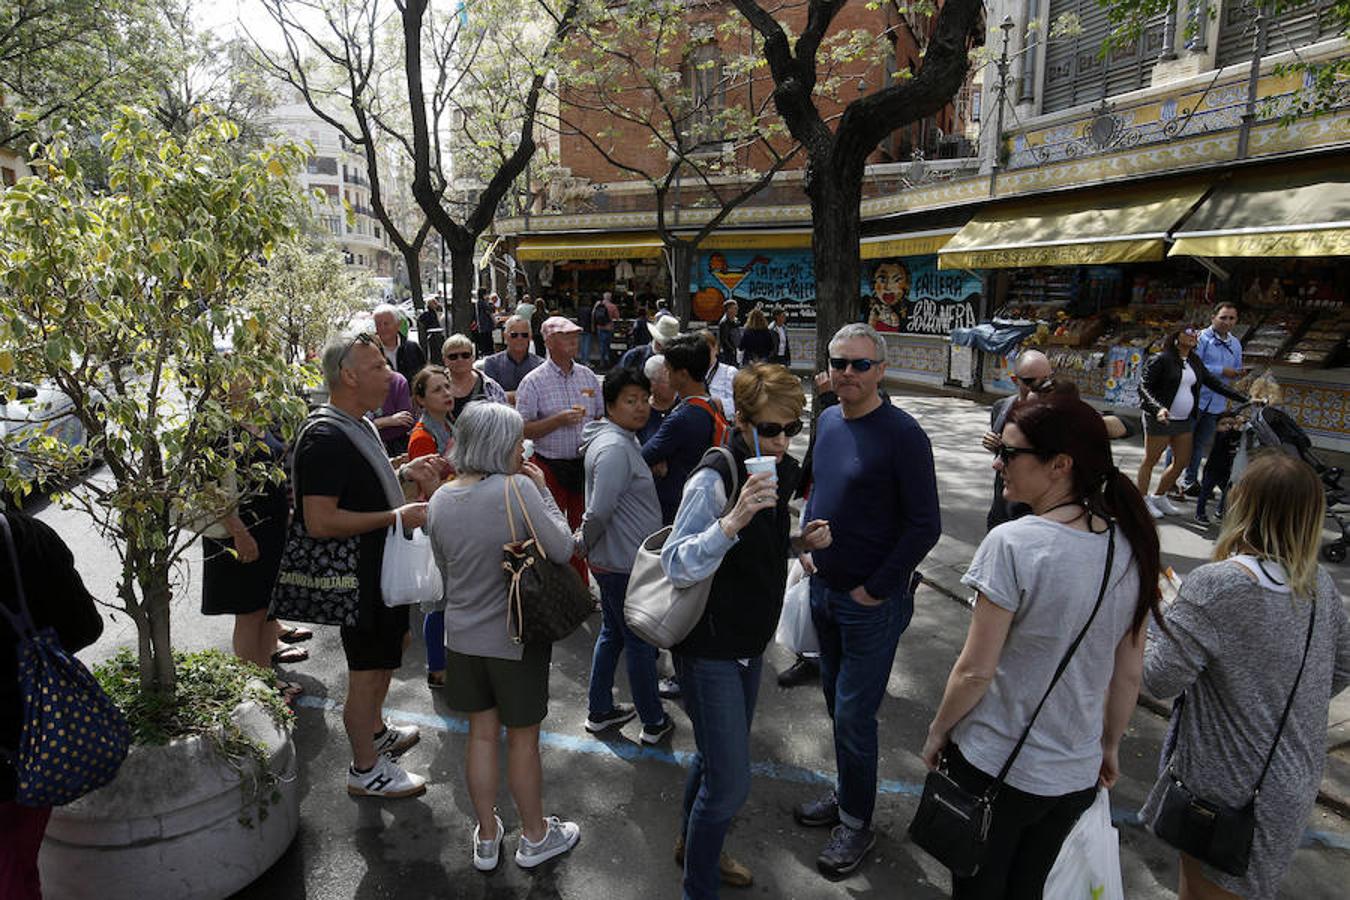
[745, 553]
[467, 384]
[1038, 580]
[1169, 394]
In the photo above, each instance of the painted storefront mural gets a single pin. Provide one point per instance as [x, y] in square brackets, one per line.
[783, 278]
[909, 294]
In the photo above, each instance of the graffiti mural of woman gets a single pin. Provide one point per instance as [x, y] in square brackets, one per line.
[890, 289]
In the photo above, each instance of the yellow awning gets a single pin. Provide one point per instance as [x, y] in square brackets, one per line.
[918, 244]
[1293, 214]
[635, 245]
[756, 240]
[1102, 227]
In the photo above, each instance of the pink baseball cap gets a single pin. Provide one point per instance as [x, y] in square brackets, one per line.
[558, 325]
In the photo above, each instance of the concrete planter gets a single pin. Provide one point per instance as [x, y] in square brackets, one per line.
[169, 824]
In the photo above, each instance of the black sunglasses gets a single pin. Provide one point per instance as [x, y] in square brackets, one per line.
[363, 337]
[774, 429]
[1006, 454]
[840, 363]
[463, 354]
[518, 334]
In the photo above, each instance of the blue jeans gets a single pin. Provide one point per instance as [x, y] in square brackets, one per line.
[1206, 423]
[857, 648]
[584, 353]
[719, 696]
[605, 337]
[433, 632]
[615, 637]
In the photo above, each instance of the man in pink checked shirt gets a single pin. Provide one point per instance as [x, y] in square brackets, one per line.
[556, 400]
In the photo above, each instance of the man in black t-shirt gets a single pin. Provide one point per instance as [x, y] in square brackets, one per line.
[341, 494]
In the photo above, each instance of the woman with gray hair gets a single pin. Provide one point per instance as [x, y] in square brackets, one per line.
[467, 384]
[495, 681]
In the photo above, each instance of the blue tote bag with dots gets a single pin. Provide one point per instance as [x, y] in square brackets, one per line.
[73, 738]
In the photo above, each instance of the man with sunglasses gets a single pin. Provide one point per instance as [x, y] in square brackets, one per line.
[873, 480]
[508, 367]
[1032, 367]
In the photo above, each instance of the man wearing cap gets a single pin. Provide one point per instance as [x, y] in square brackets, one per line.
[663, 331]
[556, 400]
[509, 367]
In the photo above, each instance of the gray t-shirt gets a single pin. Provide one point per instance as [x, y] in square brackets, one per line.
[1048, 576]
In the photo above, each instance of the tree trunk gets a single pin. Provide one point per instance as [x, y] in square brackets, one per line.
[413, 261]
[158, 678]
[836, 196]
[680, 257]
[463, 285]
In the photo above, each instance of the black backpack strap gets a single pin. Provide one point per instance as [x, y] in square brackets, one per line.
[1063, 663]
[21, 620]
[717, 458]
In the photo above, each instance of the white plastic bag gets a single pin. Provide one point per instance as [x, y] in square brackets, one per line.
[408, 574]
[796, 630]
[1088, 865]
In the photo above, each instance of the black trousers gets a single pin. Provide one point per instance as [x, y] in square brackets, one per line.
[1027, 833]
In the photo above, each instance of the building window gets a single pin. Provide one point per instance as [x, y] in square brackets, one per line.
[1075, 71]
[702, 79]
[1289, 29]
[321, 165]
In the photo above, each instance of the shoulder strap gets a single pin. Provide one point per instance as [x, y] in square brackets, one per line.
[515, 489]
[1063, 663]
[21, 620]
[1307, 642]
[735, 476]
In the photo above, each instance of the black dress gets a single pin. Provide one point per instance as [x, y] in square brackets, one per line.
[230, 587]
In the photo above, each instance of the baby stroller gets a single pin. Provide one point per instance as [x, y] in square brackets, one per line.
[1271, 428]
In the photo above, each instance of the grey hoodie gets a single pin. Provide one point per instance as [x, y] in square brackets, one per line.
[621, 504]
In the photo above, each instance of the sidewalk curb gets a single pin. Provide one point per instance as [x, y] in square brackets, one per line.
[1337, 804]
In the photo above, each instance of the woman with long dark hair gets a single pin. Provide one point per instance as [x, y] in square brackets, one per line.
[1169, 394]
[1235, 648]
[1038, 579]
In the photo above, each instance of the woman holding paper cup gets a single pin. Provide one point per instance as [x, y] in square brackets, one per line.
[745, 553]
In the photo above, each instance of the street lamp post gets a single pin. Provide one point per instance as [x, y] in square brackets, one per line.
[1006, 26]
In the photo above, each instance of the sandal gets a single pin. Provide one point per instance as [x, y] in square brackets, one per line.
[294, 634]
[290, 655]
[289, 690]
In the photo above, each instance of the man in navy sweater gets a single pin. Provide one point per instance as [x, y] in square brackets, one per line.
[874, 483]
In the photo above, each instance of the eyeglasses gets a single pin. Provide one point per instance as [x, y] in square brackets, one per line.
[840, 363]
[362, 337]
[518, 334]
[1007, 454]
[774, 429]
[463, 354]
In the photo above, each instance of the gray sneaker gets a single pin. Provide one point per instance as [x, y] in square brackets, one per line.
[819, 812]
[560, 837]
[485, 853]
[846, 850]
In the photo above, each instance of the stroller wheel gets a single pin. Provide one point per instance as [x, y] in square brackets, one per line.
[1334, 553]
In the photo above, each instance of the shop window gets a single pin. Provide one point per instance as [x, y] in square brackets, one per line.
[1076, 72]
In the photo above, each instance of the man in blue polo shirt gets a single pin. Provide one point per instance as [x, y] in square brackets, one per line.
[1221, 352]
[873, 481]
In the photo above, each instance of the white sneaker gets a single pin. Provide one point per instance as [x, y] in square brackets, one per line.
[485, 853]
[1153, 508]
[386, 779]
[1167, 507]
[560, 837]
[397, 740]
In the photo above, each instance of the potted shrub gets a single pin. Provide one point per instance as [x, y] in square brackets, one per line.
[119, 298]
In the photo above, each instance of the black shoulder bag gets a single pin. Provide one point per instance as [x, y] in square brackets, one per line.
[1211, 832]
[952, 823]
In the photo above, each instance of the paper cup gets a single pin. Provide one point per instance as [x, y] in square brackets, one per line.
[762, 464]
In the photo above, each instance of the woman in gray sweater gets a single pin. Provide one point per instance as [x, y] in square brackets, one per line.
[495, 681]
[622, 509]
[1233, 646]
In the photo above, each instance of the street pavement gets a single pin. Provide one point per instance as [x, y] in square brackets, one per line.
[626, 797]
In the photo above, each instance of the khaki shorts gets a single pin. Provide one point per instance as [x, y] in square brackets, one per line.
[517, 689]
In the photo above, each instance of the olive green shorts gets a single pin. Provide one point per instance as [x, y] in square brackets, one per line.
[517, 689]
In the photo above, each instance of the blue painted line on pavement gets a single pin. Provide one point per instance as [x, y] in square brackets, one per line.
[683, 759]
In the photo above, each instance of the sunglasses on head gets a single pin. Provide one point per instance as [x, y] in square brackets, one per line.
[840, 363]
[774, 429]
[364, 337]
[1007, 454]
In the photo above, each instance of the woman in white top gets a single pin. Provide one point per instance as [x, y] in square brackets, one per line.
[1169, 394]
[1038, 579]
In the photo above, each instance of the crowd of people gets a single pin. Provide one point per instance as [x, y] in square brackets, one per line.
[486, 441]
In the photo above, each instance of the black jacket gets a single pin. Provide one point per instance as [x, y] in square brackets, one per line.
[409, 358]
[1161, 377]
[746, 598]
[757, 344]
[57, 598]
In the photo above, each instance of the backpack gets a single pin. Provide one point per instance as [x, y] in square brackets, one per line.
[600, 315]
[72, 737]
[721, 427]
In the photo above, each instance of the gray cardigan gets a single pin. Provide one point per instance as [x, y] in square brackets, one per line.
[622, 508]
[468, 527]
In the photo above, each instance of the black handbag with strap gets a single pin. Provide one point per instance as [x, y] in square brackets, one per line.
[1212, 832]
[952, 823]
[545, 600]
